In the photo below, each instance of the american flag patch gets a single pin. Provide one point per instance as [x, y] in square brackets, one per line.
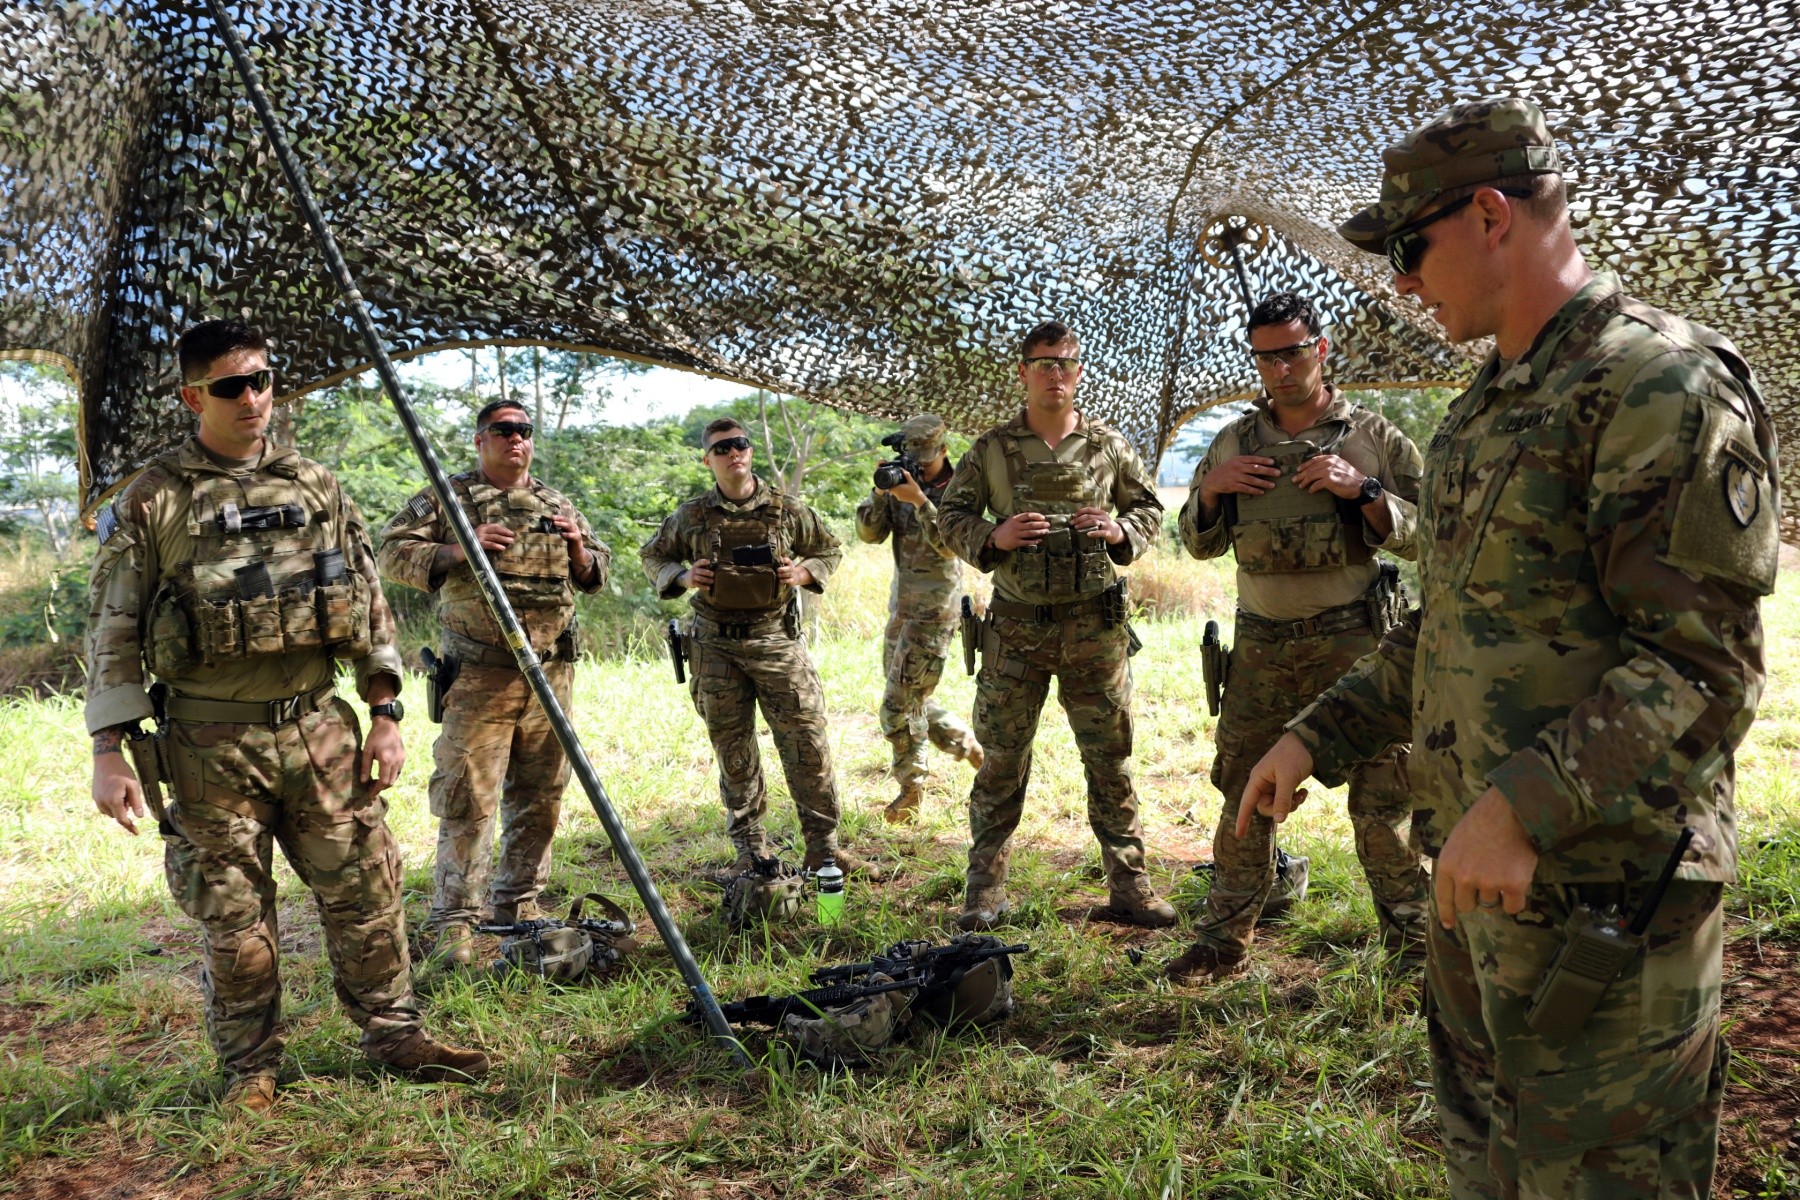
[105, 521]
[421, 507]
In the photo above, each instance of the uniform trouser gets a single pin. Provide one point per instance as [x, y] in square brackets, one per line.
[238, 789]
[1270, 681]
[1626, 1108]
[496, 752]
[1093, 676]
[728, 679]
[912, 659]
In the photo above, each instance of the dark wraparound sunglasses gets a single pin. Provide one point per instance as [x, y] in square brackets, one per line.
[1406, 248]
[230, 387]
[727, 445]
[509, 429]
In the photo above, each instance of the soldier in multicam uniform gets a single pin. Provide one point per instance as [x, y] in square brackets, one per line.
[1053, 477]
[497, 750]
[1312, 599]
[923, 609]
[1597, 521]
[239, 574]
[743, 548]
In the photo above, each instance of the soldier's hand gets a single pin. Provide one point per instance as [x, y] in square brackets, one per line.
[794, 574]
[1020, 529]
[117, 792]
[494, 538]
[1487, 862]
[1328, 472]
[700, 575]
[1246, 475]
[908, 491]
[1097, 522]
[1274, 789]
[571, 534]
[383, 750]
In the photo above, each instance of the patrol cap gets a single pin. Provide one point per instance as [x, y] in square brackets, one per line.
[1473, 142]
[924, 435]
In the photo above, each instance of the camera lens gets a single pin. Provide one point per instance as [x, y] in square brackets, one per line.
[889, 475]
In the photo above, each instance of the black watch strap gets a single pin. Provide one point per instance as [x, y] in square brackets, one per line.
[1371, 489]
[393, 708]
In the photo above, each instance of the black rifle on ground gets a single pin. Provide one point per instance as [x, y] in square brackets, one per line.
[932, 971]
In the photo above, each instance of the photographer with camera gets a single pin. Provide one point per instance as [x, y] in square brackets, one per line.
[497, 750]
[923, 606]
[743, 548]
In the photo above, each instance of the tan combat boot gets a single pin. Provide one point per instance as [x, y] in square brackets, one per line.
[1207, 960]
[424, 1057]
[1137, 903]
[512, 914]
[848, 861]
[249, 1095]
[972, 753]
[984, 907]
[455, 946]
[905, 806]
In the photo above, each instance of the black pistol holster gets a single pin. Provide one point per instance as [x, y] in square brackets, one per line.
[440, 673]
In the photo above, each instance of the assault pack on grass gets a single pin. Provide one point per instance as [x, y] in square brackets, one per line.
[858, 1008]
[568, 950]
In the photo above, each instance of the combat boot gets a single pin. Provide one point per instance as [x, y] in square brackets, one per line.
[848, 861]
[1136, 902]
[972, 753]
[455, 947]
[424, 1057]
[984, 907]
[1207, 960]
[905, 806]
[249, 1095]
[512, 914]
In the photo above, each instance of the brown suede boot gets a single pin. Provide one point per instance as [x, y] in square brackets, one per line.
[455, 946]
[972, 753]
[424, 1057]
[249, 1095]
[905, 806]
[1136, 902]
[984, 907]
[1207, 960]
[512, 914]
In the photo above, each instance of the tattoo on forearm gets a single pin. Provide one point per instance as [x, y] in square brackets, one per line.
[108, 740]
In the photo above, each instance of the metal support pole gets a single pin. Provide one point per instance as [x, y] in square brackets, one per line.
[465, 537]
[1234, 237]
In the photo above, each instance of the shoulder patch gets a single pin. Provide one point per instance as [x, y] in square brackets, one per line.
[1725, 523]
[422, 506]
[106, 522]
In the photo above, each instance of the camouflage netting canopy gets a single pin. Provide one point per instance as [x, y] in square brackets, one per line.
[861, 203]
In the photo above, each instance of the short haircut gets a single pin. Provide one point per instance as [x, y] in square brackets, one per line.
[720, 425]
[206, 343]
[1048, 333]
[1548, 200]
[494, 406]
[1278, 308]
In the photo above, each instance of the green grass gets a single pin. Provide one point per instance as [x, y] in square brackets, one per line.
[1306, 1077]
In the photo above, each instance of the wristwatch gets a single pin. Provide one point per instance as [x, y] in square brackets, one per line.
[1371, 490]
[393, 708]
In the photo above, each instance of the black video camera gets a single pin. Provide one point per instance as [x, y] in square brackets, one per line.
[891, 473]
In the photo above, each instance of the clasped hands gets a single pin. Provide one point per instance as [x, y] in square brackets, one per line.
[1030, 528]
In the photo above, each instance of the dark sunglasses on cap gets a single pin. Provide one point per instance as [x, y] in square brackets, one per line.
[510, 429]
[230, 387]
[727, 445]
[1406, 248]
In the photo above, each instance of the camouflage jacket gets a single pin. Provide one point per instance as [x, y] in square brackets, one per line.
[139, 593]
[686, 535]
[534, 570]
[1373, 446]
[927, 577]
[1597, 522]
[983, 485]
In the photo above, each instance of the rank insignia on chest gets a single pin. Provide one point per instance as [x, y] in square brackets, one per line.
[1740, 492]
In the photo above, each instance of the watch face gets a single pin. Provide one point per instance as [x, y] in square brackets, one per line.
[392, 708]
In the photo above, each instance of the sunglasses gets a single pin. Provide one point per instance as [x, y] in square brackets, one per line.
[1292, 355]
[230, 387]
[510, 429]
[727, 445]
[1406, 248]
[1046, 364]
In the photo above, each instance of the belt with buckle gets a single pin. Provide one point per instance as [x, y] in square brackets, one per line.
[737, 631]
[198, 711]
[1342, 619]
[1044, 614]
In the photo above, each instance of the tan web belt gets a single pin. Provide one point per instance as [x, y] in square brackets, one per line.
[738, 631]
[197, 711]
[1341, 619]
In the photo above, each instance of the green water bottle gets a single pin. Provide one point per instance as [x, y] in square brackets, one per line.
[831, 892]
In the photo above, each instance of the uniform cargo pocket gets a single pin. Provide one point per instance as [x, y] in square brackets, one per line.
[1625, 1100]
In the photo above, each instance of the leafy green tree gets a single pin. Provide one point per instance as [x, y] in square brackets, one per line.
[38, 477]
[1417, 411]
